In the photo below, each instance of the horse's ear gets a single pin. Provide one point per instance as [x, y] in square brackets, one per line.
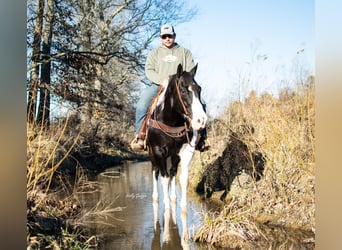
[179, 70]
[193, 71]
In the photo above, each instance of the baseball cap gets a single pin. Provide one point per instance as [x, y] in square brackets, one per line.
[167, 29]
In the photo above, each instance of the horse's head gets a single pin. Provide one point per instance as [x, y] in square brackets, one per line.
[189, 94]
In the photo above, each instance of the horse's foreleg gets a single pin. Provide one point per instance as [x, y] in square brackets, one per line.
[186, 154]
[173, 208]
[167, 225]
[173, 189]
[155, 186]
[184, 184]
[185, 233]
[186, 158]
[165, 181]
[155, 215]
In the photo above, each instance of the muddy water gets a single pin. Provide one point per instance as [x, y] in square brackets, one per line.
[130, 220]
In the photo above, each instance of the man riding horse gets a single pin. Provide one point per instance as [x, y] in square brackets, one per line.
[161, 63]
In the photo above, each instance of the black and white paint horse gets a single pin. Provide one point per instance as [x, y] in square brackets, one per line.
[172, 133]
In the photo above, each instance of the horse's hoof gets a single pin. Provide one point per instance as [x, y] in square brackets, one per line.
[185, 241]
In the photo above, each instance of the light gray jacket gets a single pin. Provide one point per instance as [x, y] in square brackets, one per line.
[163, 62]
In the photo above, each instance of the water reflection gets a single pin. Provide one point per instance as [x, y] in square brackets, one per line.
[141, 223]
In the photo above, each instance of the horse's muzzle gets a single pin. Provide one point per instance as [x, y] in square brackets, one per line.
[198, 123]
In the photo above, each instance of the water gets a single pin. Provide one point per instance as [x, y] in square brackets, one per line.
[132, 220]
[124, 216]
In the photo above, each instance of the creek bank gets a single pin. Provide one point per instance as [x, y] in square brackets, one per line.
[52, 217]
[228, 225]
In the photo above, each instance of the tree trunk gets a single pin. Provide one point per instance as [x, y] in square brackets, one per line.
[43, 116]
[86, 31]
[34, 76]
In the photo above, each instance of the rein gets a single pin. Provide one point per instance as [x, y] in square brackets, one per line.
[186, 116]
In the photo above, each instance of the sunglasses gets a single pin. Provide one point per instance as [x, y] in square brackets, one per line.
[167, 35]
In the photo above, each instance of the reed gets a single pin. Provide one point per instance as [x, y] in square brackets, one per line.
[233, 224]
[284, 132]
[47, 215]
[46, 151]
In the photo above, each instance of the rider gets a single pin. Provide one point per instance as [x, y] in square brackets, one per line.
[160, 64]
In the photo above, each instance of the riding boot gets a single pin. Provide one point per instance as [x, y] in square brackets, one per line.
[142, 132]
[139, 144]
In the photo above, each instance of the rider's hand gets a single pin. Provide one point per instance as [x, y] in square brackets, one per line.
[160, 88]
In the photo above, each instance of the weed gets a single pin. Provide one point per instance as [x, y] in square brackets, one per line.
[283, 131]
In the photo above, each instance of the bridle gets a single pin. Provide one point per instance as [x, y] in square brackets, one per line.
[186, 112]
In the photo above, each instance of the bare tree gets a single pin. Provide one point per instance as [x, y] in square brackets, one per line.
[93, 48]
[43, 116]
[37, 20]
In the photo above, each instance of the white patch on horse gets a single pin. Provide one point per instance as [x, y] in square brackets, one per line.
[166, 234]
[155, 187]
[161, 97]
[155, 215]
[173, 189]
[165, 183]
[199, 118]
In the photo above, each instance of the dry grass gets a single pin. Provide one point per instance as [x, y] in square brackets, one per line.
[55, 216]
[46, 151]
[233, 224]
[47, 215]
[284, 133]
[58, 161]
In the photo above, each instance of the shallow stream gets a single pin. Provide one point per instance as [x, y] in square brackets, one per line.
[124, 216]
[129, 218]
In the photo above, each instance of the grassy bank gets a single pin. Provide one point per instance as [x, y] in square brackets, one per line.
[59, 161]
[49, 151]
[283, 131]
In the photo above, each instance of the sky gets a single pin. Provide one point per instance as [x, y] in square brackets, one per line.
[243, 45]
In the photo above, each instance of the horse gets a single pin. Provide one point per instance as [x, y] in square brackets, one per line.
[172, 133]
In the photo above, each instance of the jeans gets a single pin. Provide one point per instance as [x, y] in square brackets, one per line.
[143, 104]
